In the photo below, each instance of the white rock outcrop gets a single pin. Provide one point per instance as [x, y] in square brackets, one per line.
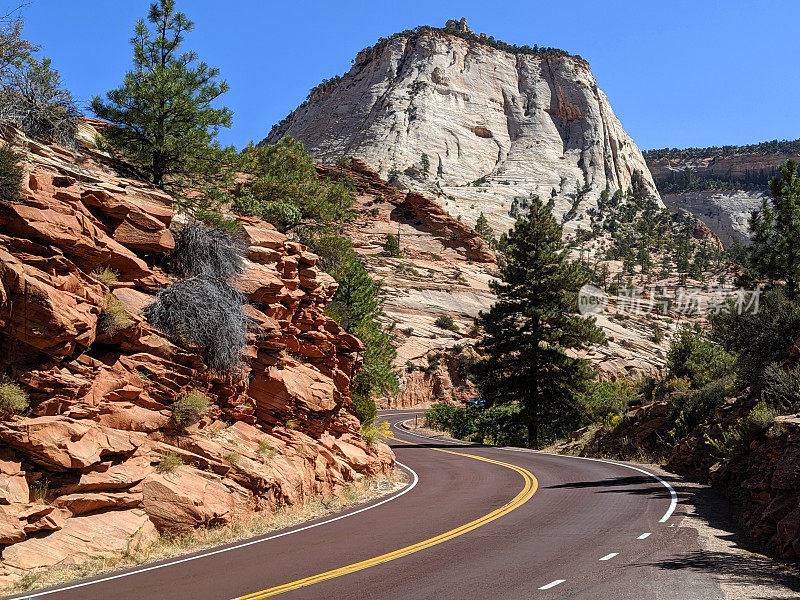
[494, 125]
[727, 213]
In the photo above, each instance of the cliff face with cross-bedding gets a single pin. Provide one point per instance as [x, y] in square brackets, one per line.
[493, 124]
[79, 470]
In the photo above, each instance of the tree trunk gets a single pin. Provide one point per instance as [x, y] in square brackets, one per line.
[533, 431]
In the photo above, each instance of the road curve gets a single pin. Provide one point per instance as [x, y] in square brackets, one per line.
[475, 522]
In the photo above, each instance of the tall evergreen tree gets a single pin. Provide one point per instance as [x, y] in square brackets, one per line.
[532, 330]
[163, 110]
[775, 250]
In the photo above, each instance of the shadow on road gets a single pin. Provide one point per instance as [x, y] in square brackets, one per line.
[740, 560]
[745, 569]
[643, 483]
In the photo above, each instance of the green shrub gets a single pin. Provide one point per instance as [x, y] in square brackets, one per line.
[11, 174]
[214, 218]
[189, 408]
[735, 438]
[391, 247]
[695, 406]
[761, 416]
[13, 398]
[781, 388]
[694, 356]
[114, 315]
[446, 322]
[452, 419]
[286, 190]
[365, 408]
[169, 462]
[762, 338]
[499, 425]
[440, 416]
[609, 397]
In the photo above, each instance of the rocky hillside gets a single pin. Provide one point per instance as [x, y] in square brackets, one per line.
[720, 185]
[476, 124]
[443, 269]
[97, 450]
[755, 460]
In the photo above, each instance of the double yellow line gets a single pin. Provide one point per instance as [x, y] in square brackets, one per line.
[528, 490]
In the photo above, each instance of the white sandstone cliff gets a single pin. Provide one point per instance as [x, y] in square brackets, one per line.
[517, 124]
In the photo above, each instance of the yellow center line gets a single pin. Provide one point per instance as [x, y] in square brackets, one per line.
[528, 490]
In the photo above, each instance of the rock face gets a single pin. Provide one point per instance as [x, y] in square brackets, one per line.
[494, 125]
[764, 481]
[79, 474]
[443, 270]
[721, 186]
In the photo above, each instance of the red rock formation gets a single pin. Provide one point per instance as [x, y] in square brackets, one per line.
[702, 232]
[415, 207]
[451, 232]
[85, 459]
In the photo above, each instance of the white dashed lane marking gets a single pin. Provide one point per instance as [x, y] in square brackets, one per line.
[610, 556]
[643, 536]
[552, 584]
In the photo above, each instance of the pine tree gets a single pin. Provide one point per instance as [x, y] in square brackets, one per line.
[391, 247]
[163, 113]
[775, 250]
[425, 163]
[482, 227]
[533, 325]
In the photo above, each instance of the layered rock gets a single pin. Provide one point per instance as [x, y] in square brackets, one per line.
[443, 270]
[726, 213]
[727, 183]
[494, 125]
[85, 459]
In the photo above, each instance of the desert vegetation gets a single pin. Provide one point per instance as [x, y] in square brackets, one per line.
[32, 96]
[11, 174]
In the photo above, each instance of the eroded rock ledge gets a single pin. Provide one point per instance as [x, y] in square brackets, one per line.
[78, 472]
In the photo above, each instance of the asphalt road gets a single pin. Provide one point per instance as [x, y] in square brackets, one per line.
[474, 523]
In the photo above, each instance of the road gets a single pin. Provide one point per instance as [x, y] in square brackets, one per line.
[474, 523]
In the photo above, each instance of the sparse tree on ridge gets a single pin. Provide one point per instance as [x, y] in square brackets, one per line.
[163, 112]
[775, 250]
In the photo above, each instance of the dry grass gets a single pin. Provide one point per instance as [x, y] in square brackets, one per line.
[207, 537]
[106, 276]
[232, 458]
[265, 451]
[114, 315]
[169, 462]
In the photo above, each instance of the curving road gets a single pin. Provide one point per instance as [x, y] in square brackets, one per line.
[473, 523]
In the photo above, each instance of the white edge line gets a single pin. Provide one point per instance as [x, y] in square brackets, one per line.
[610, 556]
[643, 536]
[552, 584]
[408, 488]
[673, 503]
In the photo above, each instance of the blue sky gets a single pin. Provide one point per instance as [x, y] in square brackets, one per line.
[678, 73]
